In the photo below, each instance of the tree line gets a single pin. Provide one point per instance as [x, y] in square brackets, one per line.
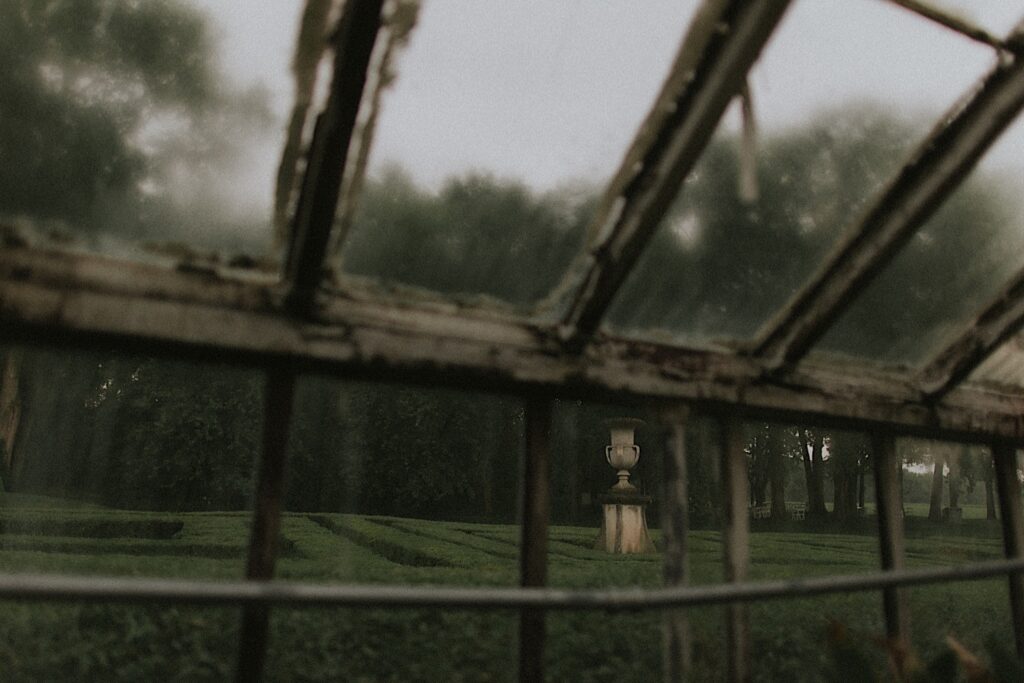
[152, 434]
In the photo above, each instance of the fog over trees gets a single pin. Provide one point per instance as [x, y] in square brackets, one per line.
[110, 106]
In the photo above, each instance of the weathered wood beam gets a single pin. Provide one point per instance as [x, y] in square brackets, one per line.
[675, 525]
[278, 396]
[88, 301]
[535, 505]
[996, 324]
[353, 42]
[938, 166]
[889, 503]
[724, 40]
[954, 23]
[1011, 514]
[736, 544]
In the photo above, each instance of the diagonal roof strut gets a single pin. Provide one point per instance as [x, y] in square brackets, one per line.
[997, 323]
[719, 49]
[356, 35]
[940, 164]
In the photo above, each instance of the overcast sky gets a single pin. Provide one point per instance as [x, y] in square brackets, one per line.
[550, 92]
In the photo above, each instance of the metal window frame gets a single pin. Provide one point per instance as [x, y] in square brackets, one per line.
[294, 325]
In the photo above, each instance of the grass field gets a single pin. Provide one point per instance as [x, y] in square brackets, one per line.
[96, 642]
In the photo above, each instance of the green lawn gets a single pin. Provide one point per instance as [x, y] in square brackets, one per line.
[93, 642]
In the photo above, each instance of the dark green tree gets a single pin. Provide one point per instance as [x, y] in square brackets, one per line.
[104, 103]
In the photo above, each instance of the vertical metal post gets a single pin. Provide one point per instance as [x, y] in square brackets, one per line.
[889, 503]
[675, 522]
[533, 545]
[736, 544]
[266, 523]
[1011, 513]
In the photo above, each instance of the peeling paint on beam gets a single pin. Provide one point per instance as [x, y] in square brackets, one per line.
[68, 299]
[719, 49]
[318, 199]
[995, 325]
[938, 166]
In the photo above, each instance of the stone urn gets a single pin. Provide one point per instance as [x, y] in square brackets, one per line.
[624, 522]
[623, 454]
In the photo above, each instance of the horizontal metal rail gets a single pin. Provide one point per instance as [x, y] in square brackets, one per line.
[34, 587]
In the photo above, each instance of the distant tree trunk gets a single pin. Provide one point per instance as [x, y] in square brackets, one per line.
[777, 472]
[573, 464]
[817, 481]
[805, 458]
[954, 481]
[935, 504]
[860, 488]
[844, 496]
[990, 498]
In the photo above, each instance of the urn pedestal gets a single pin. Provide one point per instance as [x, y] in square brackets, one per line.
[624, 524]
[624, 518]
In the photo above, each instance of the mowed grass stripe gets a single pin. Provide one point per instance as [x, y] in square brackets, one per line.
[440, 532]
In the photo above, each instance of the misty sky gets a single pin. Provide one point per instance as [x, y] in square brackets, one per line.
[549, 92]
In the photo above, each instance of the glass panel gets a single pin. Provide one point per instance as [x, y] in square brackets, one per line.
[489, 156]
[584, 529]
[956, 264]
[394, 484]
[126, 465]
[813, 514]
[832, 130]
[1005, 367]
[404, 485]
[604, 535]
[56, 642]
[997, 16]
[139, 128]
[950, 519]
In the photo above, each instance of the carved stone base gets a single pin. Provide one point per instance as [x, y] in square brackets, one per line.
[624, 525]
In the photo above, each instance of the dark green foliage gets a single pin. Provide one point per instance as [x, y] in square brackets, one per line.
[103, 102]
[137, 433]
[394, 450]
[852, 661]
[477, 235]
[1005, 665]
[188, 438]
[718, 266]
[789, 638]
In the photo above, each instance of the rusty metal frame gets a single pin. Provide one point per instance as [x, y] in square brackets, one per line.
[293, 325]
